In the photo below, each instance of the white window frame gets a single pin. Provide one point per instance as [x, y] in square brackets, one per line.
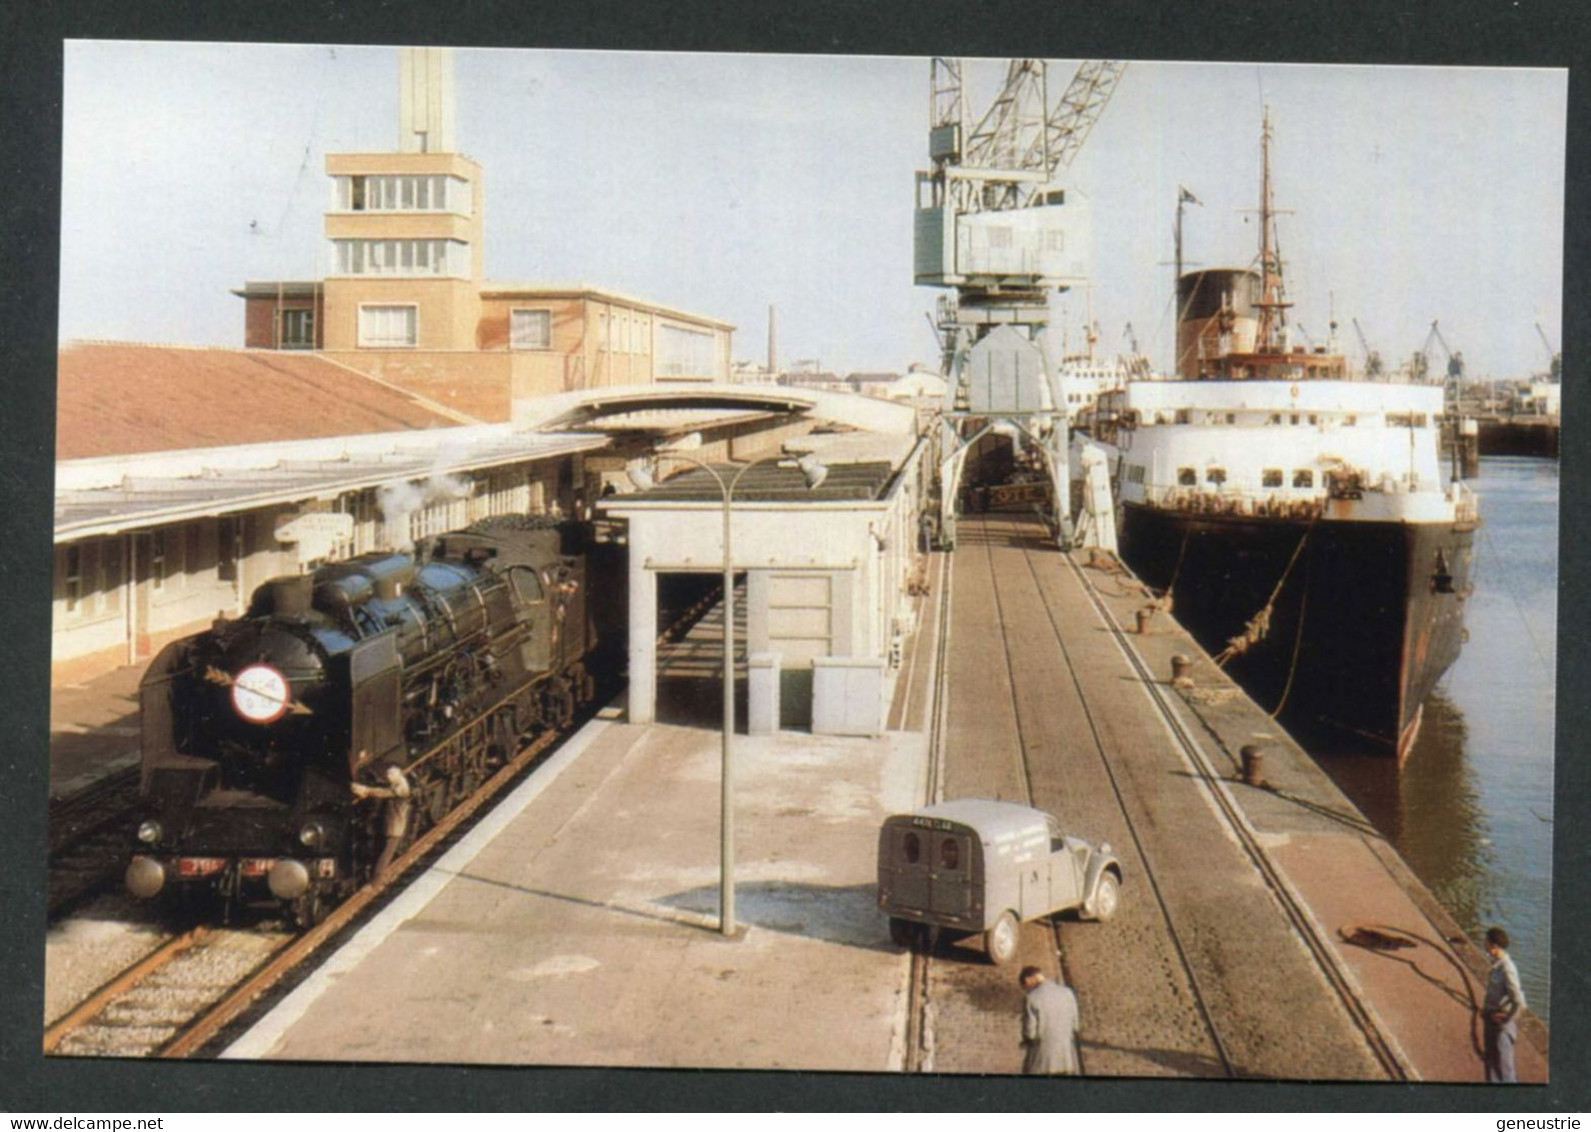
[72, 579]
[543, 340]
[304, 315]
[414, 329]
[158, 550]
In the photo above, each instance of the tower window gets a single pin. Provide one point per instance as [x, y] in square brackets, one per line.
[389, 326]
[403, 192]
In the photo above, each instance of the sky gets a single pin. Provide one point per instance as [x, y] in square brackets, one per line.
[723, 184]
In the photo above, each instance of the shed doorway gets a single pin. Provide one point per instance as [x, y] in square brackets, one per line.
[690, 650]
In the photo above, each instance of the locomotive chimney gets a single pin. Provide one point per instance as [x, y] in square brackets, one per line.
[285, 597]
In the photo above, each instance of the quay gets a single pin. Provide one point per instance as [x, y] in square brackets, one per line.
[577, 924]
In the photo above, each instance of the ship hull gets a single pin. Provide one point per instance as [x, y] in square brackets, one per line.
[1365, 616]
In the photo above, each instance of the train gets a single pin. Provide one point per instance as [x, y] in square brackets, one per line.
[288, 752]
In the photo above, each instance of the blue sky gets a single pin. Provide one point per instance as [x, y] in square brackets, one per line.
[724, 183]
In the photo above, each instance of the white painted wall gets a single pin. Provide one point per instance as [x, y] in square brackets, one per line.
[867, 549]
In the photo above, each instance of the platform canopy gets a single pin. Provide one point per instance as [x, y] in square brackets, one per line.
[622, 406]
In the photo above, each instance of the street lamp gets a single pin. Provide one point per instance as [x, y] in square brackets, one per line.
[813, 471]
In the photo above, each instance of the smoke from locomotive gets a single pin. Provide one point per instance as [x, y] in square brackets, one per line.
[257, 732]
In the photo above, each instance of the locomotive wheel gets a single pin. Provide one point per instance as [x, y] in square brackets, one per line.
[308, 910]
[436, 802]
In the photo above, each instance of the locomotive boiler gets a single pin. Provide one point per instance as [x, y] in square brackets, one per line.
[265, 737]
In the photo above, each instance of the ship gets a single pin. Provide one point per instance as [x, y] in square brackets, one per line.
[1297, 517]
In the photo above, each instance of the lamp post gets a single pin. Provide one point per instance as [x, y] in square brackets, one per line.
[813, 471]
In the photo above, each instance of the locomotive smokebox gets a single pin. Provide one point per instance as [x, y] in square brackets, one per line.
[145, 877]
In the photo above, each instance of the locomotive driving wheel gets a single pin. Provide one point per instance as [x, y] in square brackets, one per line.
[308, 910]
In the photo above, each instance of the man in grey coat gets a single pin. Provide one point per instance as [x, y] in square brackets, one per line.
[1049, 1025]
[1500, 1011]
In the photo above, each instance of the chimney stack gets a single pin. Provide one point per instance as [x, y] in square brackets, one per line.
[773, 341]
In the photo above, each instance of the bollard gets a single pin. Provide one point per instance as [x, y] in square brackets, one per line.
[1143, 621]
[1253, 765]
[1180, 666]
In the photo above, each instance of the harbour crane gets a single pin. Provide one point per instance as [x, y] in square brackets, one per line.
[995, 228]
[1373, 366]
[1554, 359]
[1455, 359]
[1454, 379]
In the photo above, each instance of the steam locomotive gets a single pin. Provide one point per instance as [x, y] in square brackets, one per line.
[265, 736]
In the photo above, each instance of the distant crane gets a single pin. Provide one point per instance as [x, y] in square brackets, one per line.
[1373, 367]
[1455, 359]
[1554, 359]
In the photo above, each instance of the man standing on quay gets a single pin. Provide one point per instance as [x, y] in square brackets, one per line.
[1500, 1012]
[1049, 1025]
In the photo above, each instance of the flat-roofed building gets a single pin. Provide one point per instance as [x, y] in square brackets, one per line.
[405, 299]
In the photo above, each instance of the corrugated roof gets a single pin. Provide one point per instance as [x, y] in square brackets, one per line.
[768, 483]
[118, 398]
[105, 496]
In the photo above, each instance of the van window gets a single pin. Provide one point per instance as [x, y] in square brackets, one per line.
[949, 854]
[912, 848]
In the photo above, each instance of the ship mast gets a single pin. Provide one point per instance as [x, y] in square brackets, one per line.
[1273, 301]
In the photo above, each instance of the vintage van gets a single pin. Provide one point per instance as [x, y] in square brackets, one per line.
[973, 865]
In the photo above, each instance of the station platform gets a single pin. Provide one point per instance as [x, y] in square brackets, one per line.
[93, 729]
[578, 924]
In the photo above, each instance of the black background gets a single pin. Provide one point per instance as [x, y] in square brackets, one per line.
[1459, 32]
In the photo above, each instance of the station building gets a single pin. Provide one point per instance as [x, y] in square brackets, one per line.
[169, 510]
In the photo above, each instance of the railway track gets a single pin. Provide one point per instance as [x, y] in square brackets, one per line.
[176, 1000]
[1236, 823]
[919, 1041]
[89, 833]
[1198, 1008]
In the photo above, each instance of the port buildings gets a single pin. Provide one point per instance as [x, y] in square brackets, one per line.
[387, 401]
[186, 476]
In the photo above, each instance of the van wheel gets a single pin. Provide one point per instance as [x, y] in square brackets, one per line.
[1107, 895]
[905, 933]
[1000, 941]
